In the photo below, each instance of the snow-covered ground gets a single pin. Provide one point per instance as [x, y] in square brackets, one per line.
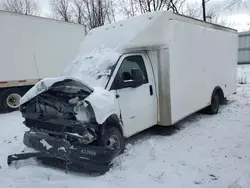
[207, 152]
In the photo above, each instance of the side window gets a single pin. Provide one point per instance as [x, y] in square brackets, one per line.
[130, 72]
[130, 63]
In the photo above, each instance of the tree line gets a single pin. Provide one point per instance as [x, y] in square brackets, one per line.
[95, 13]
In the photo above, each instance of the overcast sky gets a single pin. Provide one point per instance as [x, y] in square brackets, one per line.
[239, 18]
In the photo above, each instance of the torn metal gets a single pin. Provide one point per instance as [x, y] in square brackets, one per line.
[63, 125]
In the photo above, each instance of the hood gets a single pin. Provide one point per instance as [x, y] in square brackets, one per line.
[69, 95]
[71, 85]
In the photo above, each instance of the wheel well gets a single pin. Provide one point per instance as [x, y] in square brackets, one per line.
[112, 120]
[219, 91]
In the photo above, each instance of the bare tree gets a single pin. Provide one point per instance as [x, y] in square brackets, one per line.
[79, 11]
[192, 10]
[227, 4]
[155, 5]
[134, 7]
[110, 11]
[214, 13]
[62, 9]
[129, 8]
[28, 7]
[233, 3]
[94, 13]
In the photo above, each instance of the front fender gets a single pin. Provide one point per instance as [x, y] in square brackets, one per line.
[104, 104]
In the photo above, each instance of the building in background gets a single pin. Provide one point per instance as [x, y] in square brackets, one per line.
[244, 48]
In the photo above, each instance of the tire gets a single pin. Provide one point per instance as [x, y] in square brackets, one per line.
[215, 104]
[1, 108]
[9, 100]
[112, 138]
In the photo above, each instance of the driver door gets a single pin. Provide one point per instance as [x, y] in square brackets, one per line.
[137, 102]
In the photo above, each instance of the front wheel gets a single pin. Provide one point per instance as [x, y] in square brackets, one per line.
[112, 139]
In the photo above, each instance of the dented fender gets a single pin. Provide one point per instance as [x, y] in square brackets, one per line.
[104, 104]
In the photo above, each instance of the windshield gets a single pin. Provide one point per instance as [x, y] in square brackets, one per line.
[94, 69]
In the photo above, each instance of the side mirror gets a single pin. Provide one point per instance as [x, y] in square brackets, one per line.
[135, 79]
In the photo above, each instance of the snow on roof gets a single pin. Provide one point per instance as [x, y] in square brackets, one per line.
[145, 30]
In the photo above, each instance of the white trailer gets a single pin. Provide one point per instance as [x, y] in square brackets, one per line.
[155, 69]
[33, 48]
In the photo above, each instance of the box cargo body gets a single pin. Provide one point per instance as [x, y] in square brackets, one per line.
[33, 48]
[199, 58]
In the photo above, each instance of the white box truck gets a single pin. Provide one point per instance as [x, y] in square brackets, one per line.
[155, 69]
[33, 48]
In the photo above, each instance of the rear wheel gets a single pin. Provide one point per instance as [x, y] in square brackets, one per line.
[215, 104]
[10, 100]
[113, 139]
[1, 108]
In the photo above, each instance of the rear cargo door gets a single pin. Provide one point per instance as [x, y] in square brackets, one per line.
[137, 104]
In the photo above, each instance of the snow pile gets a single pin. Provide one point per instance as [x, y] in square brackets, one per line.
[95, 68]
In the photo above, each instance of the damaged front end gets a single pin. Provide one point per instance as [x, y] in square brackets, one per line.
[63, 125]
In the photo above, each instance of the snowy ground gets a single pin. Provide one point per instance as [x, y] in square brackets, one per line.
[207, 151]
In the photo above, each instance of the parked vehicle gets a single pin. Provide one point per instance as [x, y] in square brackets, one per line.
[155, 69]
[33, 48]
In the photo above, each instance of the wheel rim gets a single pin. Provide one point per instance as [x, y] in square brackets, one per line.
[13, 100]
[113, 142]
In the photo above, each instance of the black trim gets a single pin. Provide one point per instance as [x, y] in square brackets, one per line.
[244, 49]
[244, 63]
[151, 90]
[244, 35]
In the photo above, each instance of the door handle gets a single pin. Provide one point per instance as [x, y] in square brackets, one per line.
[151, 90]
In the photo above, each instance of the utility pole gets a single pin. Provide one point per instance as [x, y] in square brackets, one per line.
[204, 10]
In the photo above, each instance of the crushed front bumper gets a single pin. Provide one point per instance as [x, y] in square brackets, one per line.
[90, 157]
